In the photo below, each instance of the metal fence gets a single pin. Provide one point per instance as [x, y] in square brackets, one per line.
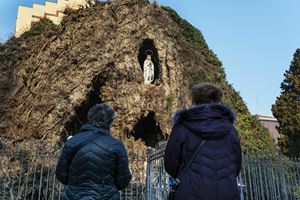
[261, 178]
[275, 177]
[27, 171]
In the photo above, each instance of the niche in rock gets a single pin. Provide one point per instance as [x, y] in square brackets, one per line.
[80, 116]
[147, 129]
[148, 48]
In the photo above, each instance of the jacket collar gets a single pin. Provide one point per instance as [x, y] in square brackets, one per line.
[204, 109]
[92, 128]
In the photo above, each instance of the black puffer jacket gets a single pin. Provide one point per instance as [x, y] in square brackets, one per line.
[97, 171]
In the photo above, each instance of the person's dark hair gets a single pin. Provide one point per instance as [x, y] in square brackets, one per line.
[101, 115]
[206, 93]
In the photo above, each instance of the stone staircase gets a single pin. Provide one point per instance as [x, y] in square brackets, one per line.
[51, 10]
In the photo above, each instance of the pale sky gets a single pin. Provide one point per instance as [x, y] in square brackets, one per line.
[255, 40]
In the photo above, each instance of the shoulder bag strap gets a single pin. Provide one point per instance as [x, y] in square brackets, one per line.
[177, 180]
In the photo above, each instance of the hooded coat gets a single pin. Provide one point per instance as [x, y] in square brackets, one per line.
[97, 171]
[212, 174]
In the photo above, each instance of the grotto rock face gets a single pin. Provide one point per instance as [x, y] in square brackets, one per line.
[96, 55]
[97, 58]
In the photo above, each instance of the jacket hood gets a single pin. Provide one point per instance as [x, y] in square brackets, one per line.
[209, 121]
[90, 127]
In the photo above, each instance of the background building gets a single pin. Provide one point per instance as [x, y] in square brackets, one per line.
[50, 10]
[270, 123]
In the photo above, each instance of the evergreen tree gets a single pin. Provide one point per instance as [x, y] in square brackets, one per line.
[287, 108]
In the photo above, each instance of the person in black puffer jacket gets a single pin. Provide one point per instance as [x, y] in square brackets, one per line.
[94, 165]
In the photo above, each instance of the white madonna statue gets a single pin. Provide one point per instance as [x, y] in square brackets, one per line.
[148, 70]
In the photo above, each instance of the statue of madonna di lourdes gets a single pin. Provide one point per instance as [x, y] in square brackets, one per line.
[148, 70]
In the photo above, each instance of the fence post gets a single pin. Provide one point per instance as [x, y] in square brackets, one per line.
[282, 177]
[148, 176]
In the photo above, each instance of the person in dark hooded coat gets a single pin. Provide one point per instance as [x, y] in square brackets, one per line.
[99, 168]
[212, 174]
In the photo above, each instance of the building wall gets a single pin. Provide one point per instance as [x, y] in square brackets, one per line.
[53, 11]
[270, 123]
[271, 126]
